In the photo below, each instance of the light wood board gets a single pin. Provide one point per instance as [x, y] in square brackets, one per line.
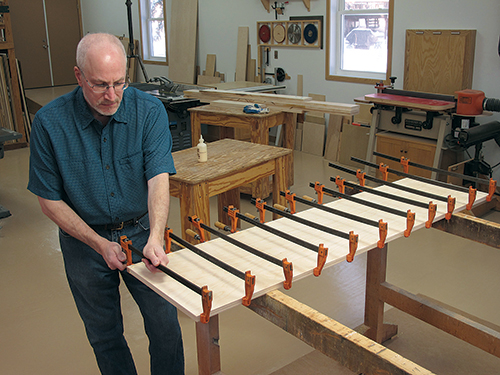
[228, 290]
[241, 54]
[182, 43]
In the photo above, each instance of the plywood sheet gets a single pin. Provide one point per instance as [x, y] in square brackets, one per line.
[241, 54]
[228, 289]
[333, 136]
[182, 43]
[210, 66]
[313, 138]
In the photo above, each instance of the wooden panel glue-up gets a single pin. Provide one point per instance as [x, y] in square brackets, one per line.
[439, 61]
[228, 290]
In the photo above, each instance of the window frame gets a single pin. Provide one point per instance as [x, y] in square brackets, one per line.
[146, 36]
[332, 47]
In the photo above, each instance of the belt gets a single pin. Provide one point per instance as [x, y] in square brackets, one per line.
[119, 226]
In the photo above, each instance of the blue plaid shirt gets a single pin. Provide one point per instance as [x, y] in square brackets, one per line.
[100, 172]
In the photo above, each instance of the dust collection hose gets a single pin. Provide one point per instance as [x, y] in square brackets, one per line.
[490, 104]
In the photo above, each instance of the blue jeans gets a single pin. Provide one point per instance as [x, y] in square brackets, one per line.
[96, 293]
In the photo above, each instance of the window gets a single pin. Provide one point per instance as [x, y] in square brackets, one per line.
[359, 40]
[153, 31]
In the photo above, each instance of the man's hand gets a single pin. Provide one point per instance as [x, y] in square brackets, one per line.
[154, 256]
[114, 256]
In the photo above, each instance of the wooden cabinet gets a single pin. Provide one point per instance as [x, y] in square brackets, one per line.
[418, 150]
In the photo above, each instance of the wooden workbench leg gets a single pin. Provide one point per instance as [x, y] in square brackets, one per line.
[279, 182]
[372, 139]
[195, 128]
[376, 267]
[207, 342]
[289, 142]
[226, 199]
[194, 200]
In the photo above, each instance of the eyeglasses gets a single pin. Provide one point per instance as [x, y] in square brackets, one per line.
[102, 88]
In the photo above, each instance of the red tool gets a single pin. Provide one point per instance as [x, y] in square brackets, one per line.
[206, 300]
[261, 206]
[197, 223]
[491, 190]
[432, 214]
[361, 177]
[382, 233]
[410, 221]
[319, 191]
[383, 168]
[291, 201]
[125, 242]
[249, 288]
[353, 245]
[168, 240]
[405, 162]
[472, 197]
[451, 207]
[340, 184]
[288, 272]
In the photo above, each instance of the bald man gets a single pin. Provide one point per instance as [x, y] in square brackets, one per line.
[100, 164]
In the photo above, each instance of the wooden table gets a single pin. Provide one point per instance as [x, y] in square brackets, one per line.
[229, 117]
[230, 164]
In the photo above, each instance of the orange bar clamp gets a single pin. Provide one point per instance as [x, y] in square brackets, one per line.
[382, 230]
[322, 254]
[232, 212]
[410, 221]
[491, 190]
[451, 207]
[168, 240]
[206, 300]
[249, 287]
[472, 197]
[319, 190]
[124, 242]
[291, 200]
[405, 162]
[384, 170]
[288, 271]
[361, 177]
[353, 246]
[340, 184]
[432, 214]
[197, 223]
[260, 205]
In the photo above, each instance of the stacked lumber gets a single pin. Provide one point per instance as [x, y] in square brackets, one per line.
[210, 76]
[285, 103]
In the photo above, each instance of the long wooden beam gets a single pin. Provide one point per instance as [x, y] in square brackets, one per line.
[349, 348]
[472, 228]
[448, 321]
[286, 102]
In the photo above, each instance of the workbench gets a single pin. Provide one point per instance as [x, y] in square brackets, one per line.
[231, 164]
[230, 117]
[359, 353]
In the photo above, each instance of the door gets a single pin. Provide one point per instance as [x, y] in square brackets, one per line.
[46, 51]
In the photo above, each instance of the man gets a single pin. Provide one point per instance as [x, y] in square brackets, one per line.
[100, 164]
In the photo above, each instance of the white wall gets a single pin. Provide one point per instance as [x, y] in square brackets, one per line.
[218, 28]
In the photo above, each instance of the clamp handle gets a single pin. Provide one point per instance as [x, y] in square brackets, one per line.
[206, 301]
[261, 206]
[491, 189]
[472, 197]
[405, 162]
[340, 184]
[383, 168]
[223, 226]
[193, 234]
[322, 254]
[233, 215]
[432, 214]
[451, 207]
[361, 177]
[168, 240]
[124, 242]
[288, 271]
[410, 221]
[353, 246]
[291, 200]
[382, 231]
[197, 223]
[319, 190]
[310, 199]
[249, 288]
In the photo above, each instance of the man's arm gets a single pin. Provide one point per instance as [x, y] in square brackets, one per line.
[61, 214]
[158, 207]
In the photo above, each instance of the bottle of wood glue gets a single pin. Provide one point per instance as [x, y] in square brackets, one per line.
[202, 150]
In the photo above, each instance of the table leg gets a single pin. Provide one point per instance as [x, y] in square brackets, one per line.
[376, 267]
[194, 200]
[280, 178]
[207, 342]
[226, 199]
[289, 126]
[195, 128]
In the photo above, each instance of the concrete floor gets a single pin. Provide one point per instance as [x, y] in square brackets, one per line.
[41, 332]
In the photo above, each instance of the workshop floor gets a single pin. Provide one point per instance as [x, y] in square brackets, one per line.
[41, 333]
